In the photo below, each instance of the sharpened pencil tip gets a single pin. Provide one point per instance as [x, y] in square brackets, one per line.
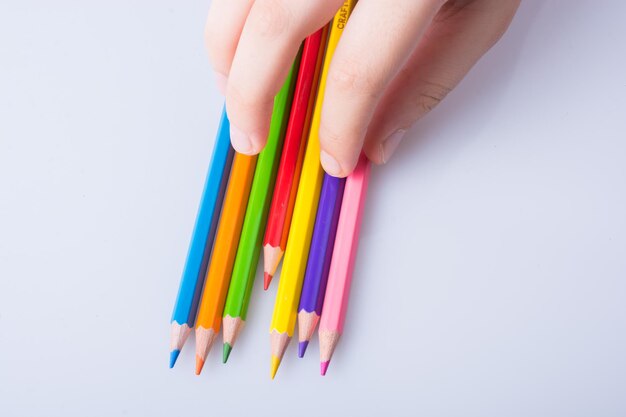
[267, 278]
[302, 348]
[199, 364]
[324, 367]
[275, 365]
[173, 356]
[226, 352]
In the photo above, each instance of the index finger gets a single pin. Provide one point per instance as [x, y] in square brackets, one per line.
[269, 42]
[223, 28]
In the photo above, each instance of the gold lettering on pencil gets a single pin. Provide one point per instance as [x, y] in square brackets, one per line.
[343, 16]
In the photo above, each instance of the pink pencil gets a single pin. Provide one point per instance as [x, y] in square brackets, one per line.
[342, 263]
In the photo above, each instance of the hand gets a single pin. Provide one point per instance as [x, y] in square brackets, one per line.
[396, 60]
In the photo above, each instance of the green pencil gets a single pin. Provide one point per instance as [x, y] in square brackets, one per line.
[249, 250]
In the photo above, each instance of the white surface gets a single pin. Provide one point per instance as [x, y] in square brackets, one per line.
[501, 225]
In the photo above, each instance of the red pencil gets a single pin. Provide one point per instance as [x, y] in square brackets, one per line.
[281, 210]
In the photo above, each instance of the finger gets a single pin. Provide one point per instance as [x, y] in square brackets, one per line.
[222, 31]
[377, 40]
[268, 45]
[460, 34]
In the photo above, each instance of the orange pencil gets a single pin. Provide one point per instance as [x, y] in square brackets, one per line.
[218, 276]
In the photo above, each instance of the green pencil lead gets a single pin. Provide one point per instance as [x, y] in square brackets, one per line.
[226, 352]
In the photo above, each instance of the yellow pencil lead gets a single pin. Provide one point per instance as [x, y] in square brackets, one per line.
[275, 365]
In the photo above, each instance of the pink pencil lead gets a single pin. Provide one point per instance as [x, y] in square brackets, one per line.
[324, 367]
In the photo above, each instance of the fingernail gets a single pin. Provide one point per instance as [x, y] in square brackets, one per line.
[220, 80]
[389, 145]
[241, 142]
[330, 164]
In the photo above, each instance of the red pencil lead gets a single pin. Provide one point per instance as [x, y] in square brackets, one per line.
[267, 279]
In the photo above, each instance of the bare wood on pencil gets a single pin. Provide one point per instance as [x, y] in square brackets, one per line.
[179, 335]
[306, 325]
[279, 343]
[204, 341]
[272, 256]
[328, 342]
[231, 326]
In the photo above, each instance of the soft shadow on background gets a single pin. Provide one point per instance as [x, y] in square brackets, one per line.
[490, 273]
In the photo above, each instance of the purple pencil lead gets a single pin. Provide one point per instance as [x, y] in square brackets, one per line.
[302, 348]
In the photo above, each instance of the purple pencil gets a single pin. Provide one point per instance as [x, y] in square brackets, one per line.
[318, 264]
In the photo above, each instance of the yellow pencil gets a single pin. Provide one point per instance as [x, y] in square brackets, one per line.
[303, 220]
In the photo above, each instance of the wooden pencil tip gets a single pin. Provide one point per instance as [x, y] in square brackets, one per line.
[307, 321]
[204, 341]
[178, 337]
[226, 352]
[271, 259]
[231, 327]
[275, 365]
[324, 367]
[173, 356]
[267, 279]
[199, 365]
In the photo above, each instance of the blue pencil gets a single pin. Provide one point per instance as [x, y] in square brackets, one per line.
[318, 263]
[191, 283]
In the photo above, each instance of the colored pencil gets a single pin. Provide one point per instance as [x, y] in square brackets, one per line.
[192, 280]
[244, 270]
[342, 264]
[318, 264]
[209, 318]
[290, 285]
[281, 208]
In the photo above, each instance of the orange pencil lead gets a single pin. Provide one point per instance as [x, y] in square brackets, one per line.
[199, 365]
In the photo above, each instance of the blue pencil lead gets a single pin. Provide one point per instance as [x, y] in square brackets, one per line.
[173, 356]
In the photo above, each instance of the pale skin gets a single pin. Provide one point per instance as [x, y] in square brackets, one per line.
[396, 60]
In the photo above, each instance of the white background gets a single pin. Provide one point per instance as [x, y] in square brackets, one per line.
[490, 279]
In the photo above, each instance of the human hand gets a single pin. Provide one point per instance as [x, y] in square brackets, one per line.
[396, 60]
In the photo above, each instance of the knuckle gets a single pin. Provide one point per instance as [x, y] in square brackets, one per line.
[343, 144]
[329, 137]
[430, 95]
[270, 18]
[249, 111]
[243, 101]
[350, 76]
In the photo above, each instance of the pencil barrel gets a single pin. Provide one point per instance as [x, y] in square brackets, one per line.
[192, 280]
[296, 254]
[322, 243]
[249, 249]
[345, 250]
